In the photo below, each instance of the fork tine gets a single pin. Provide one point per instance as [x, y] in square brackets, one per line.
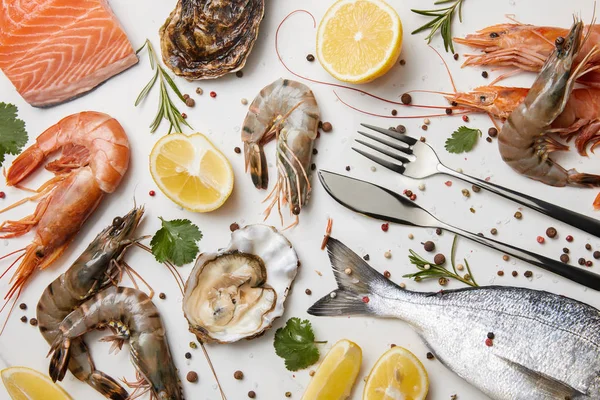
[405, 150]
[398, 136]
[387, 152]
[384, 163]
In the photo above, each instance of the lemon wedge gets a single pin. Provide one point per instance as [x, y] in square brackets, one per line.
[398, 374]
[336, 374]
[24, 383]
[191, 171]
[359, 40]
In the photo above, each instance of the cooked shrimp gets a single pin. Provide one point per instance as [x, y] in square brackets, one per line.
[527, 47]
[285, 110]
[523, 141]
[95, 156]
[135, 318]
[94, 270]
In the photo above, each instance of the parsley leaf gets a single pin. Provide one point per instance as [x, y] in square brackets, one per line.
[13, 135]
[295, 343]
[176, 242]
[462, 140]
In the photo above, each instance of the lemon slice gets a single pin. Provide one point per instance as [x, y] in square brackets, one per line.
[191, 171]
[336, 374]
[24, 383]
[359, 40]
[398, 374]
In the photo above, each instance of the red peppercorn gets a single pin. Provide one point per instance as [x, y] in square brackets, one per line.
[213, 94]
[569, 238]
[385, 227]
[540, 240]
[413, 197]
[365, 299]
[152, 193]
[2, 195]
[448, 183]
[465, 118]
[489, 342]
[588, 263]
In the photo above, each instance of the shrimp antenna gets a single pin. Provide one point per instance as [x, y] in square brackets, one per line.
[446, 66]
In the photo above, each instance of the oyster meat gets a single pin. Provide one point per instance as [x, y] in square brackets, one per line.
[205, 39]
[239, 291]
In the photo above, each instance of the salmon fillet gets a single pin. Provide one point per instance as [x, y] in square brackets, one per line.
[54, 50]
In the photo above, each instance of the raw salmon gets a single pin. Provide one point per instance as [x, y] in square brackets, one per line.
[54, 50]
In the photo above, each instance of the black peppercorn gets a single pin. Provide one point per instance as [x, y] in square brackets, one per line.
[429, 245]
[564, 258]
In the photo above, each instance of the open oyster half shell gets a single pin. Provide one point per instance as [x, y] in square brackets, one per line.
[205, 39]
[239, 291]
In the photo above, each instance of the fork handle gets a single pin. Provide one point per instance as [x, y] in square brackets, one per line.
[581, 276]
[580, 221]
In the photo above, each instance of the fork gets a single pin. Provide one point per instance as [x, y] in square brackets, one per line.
[425, 163]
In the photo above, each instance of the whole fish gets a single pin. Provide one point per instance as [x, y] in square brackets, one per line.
[545, 346]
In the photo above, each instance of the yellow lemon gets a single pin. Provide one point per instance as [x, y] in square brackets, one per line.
[24, 383]
[191, 171]
[359, 40]
[398, 374]
[336, 374]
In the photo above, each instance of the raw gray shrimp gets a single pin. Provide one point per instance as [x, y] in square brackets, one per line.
[131, 313]
[285, 110]
[95, 269]
[523, 141]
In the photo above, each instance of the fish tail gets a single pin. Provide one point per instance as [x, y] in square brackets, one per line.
[354, 289]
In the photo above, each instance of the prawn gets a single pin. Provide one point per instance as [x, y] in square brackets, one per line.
[523, 141]
[135, 318]
[94, 270]
[95, 156]
[287, 111]
[527, 47]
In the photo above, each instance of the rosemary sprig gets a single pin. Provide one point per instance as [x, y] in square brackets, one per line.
[166, 107]
[428, 270]
[442, 21]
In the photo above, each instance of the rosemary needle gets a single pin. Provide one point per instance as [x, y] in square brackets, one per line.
[442, 21]
[166, 108]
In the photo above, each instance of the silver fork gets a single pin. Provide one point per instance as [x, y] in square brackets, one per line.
[424, 162]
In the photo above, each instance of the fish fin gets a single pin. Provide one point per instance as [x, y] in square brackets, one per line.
[60, 358]
[107, 386]
[353, 287]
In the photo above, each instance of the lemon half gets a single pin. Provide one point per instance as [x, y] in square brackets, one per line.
[191, 171]
[24, 383]
[359, 40]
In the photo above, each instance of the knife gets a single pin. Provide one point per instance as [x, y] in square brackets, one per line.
[381, 203]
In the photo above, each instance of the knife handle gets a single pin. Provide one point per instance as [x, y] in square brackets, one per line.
[580, 221]
[581, 276]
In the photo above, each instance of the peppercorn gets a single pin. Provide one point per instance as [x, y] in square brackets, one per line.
[23, 306]
[494, 231]
[385, 227]
[413, 197]
[476, 188]
[443, 281]
[234, 227]
[488, 139]
[199, 91]
[162, 296]
[466, 193]
[244, 101]
[429, 245]
[193, 345]
[484, 74]
[238, 375]
[288, 394]
[2, 195]
[515, 274]
[366, 257]
[588, 246]
[213, 94]
[394, 112]
[347, 168]
[310, 58]
[296, 210]
[581, 261]
[387, 274]
[528, 274]
[33, 322]
[467, 277]
[588, 263]
[239, 74]
[387, 254]
[465, 118]
[540, 239]
[569, 238]
[430, 356]
[184, 115]
[24, 319]
[566, 250]
[518, 215]
[401, 128]
[402, 62]
[489, 342]
[500, 273]
[422, 139]
[424, 127]
[455, 56]
[152, 193]
[237, 150]
[439, 259]
[448, 111]
[327, 127]
[438, 231]
[551, 232]
[408, 193]
[596, 255]
[308, 292]
[186, 96]
[192, 377]
[190, 102]
[492, 132]
[564, 258]
[251, 394]
[188, 355]
[407, 99]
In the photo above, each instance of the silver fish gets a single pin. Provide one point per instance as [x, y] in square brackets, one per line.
[545, 346]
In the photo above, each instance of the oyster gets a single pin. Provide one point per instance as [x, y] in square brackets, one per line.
[239, 291]
[204, 39]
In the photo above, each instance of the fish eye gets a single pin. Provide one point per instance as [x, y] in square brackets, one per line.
[494, 35]
[117, 222]
[559, 41]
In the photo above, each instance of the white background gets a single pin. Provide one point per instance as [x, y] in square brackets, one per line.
[220, 119]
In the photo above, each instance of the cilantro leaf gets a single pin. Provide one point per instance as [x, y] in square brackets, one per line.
[462, 140]
[295, 343]
[176, 242]
[13, 135]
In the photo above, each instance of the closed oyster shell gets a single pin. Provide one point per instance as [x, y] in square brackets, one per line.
[205, 39]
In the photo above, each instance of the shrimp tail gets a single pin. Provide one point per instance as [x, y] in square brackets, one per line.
[107, 386]
[582, 179]
[257, 161]
[60, 358]
[24, 165]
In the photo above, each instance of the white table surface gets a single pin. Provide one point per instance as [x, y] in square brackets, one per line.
[220, 119]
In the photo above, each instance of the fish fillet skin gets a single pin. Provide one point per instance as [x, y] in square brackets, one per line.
[54, 50]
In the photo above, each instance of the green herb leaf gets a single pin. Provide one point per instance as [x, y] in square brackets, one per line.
[13, 135]
[295, 343]
[442, 20]
[462, 140]
[176, 242]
